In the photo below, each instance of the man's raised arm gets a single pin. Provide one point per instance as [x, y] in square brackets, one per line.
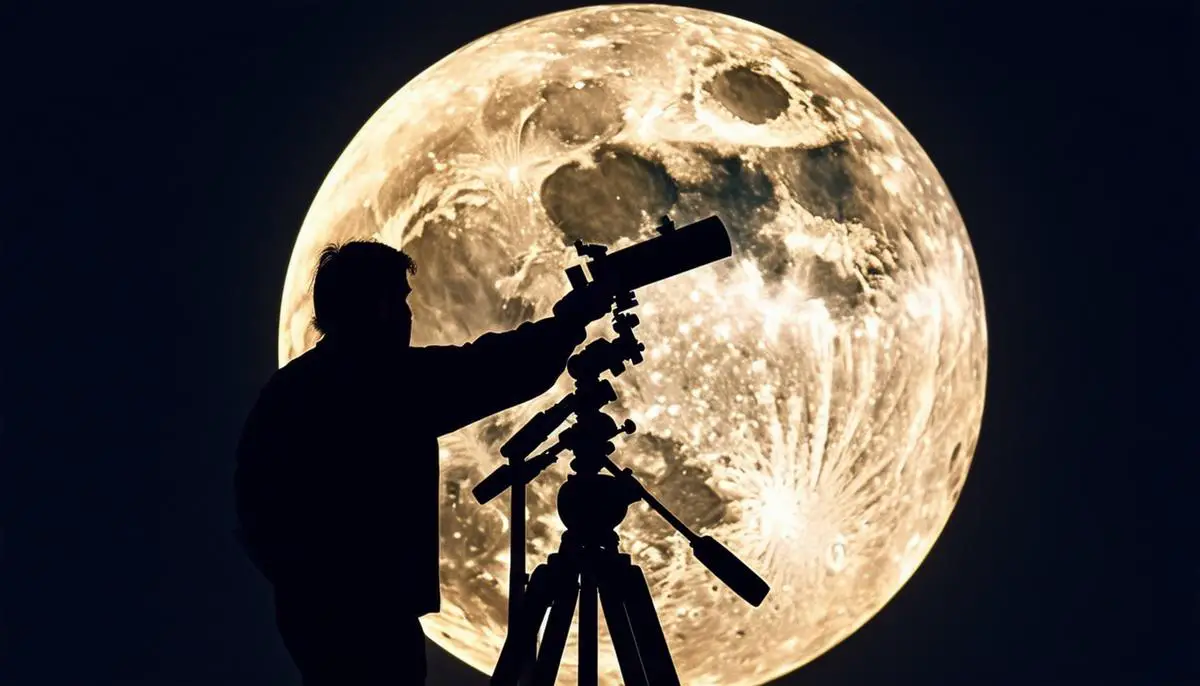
[495, 371]
[499, 370]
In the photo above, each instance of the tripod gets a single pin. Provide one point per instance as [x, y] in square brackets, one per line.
[588, 565]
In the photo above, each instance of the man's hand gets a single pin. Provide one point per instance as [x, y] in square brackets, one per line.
[582, 306]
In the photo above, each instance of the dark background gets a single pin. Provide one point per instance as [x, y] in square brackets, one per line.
[161, 161]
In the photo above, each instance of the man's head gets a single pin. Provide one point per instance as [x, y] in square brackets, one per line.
[361, 290]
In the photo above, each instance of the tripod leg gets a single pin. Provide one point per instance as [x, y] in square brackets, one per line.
[610, 585]
[588, 631]
[647, 631]
[521, 641]
[554, 639]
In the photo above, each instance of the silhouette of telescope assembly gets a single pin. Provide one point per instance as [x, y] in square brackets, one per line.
[588, 566]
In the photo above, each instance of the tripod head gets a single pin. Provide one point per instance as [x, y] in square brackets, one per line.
[590, 440]
[593, 429]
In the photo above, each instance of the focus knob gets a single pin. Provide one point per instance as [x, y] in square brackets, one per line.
[636, 356]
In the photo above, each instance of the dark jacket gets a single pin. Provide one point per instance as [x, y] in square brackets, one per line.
[337, 477]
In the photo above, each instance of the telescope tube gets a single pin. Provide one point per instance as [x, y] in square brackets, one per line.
[672, 252]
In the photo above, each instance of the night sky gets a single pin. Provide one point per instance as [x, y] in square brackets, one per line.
[161, 162]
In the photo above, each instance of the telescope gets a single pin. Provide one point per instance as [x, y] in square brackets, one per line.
[673, 251]
[589, 567]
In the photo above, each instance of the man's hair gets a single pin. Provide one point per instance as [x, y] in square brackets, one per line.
[349, 280]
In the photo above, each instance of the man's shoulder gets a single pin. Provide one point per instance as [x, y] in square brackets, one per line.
[326, 369]
[322, 366]
[312, 368]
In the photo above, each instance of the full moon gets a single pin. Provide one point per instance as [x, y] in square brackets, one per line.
[813, 402]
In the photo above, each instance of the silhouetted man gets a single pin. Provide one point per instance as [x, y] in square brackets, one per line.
[337, 477]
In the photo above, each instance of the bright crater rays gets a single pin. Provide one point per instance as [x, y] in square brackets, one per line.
[813, 402]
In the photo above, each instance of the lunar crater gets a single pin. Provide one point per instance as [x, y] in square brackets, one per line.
[611, 199]
[749, 94]
[580, 112]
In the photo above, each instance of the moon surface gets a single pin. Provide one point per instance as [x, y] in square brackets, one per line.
[813, 402]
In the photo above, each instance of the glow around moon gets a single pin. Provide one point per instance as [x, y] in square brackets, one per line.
[814, 402]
